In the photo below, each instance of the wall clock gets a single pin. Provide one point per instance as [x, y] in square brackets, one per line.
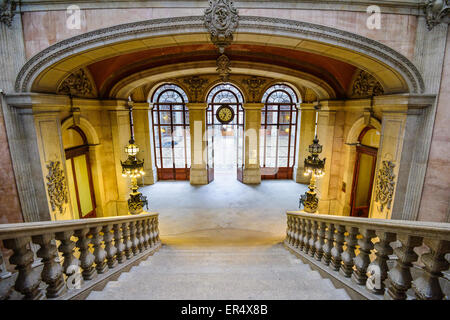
[225, 114]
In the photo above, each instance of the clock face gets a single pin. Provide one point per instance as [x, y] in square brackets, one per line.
[225, 114]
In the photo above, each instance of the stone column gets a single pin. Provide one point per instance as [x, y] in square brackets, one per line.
[199, 152]
[143, 132]
[325, 133]
[306, 121]
[120, 129]
[252, 126]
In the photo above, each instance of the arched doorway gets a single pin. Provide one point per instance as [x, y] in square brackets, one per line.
[171, 137]
[79, 174]
[225, 140]
[364, 171]
[278, 132]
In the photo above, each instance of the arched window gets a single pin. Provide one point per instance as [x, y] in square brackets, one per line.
[225, 141]
[79, 175]
[278, 132]
[171, 137]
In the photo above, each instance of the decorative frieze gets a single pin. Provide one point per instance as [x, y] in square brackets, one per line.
[436, 12]
[195, 86]
[56, 186]
[7, 11]
[254, 85]
[365, 85]
[77, 84]
[384, 189]
[221, 20]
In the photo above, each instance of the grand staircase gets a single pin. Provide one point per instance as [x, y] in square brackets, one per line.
[222, 272]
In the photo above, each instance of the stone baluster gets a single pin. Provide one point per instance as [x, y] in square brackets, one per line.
[362, 261]
[126, 240]
[307, 236]
[303, 235]
[329, 236]
[298, 232]
[52, 273]
[67, 247]
[400, 276]
[320, 241]
[382, 252]
[292, 232]
[158, 240]
[295, 232]
[289, 230]
[28, 280]
[312, 240]
[110, 249]
[145, 233]
[336, 251]
[139, 236]
[118, 243]
[427, 286]
[149, 224]
[349, 253]
[86, 257]
[133, 238]
[99, 252]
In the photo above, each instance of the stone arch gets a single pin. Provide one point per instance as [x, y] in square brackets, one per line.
[358, 126]
[275, 82]
[85, 126]
[213, 84]
[155, 87]
[372, 55]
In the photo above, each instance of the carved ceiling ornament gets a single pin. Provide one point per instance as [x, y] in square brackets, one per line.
[77, 84]
[7, 11]
[254, 85]
[384, 188]
[56, 186]
[221, 20]
[195, 86]
[436, 12]
[223, 67]
[365, 85]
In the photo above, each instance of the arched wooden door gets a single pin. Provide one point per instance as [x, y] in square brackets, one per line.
[79, 174]
[364, 172]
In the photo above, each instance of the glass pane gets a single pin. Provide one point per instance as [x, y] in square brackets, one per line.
[179, 149]
[84, 188]
[165, 117]
[72, 190]
[364, 176]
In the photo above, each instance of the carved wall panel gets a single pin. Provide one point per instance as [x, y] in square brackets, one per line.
[56, 186]
[365, 85]
[78, 84]
[384, 188]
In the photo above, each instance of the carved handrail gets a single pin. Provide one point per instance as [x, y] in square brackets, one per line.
[105, 247]
[355, 252]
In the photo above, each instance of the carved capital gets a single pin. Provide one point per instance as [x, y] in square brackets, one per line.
[7, 11]
[436, 12]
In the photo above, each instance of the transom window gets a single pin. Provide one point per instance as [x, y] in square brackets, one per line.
[171, 133]
[278, 132]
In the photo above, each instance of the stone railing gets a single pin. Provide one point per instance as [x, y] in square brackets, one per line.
[77, 255]
[354, 252]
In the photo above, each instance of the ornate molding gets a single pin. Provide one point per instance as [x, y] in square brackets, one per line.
[384, 189]
[77, 84]
[56, 186]
[195, 86]
[7, 11]
[254, 85]
[221, 20]
[436, 12]
[365, 85]
[180, 25]
[223, 67]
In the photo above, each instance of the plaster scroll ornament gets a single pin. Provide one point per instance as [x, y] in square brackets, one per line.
[7, 11]
[77, 84]
[436, 12]
[195, 86]
[223, 67]
[56, 186]
[254, 85]
[384, 189]
[221, 20]
[365, 85]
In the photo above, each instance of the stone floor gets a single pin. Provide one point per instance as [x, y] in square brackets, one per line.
[224, 204]
[192, 271]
